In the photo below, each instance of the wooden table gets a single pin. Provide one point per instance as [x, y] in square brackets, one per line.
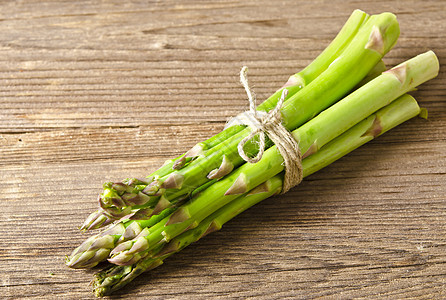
[93, 91]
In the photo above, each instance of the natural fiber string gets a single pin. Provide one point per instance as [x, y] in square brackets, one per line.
[270, 123]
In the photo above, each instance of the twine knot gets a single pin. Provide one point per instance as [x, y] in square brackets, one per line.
[270, 124]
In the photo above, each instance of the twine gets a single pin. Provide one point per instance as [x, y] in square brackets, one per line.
[270, 123]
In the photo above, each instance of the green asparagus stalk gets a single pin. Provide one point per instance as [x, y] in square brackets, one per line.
[131, 190]
[375, 38]
[119, 193]
[97, 248]
[118, 276]
[402, 109]
[312, 136]
[294, 84]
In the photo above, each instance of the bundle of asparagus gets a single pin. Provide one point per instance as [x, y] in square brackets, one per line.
[342, 100]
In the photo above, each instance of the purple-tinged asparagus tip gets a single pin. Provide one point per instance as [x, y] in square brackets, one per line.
[132, 182]
[122, 259]
[130, 232]
[104, 242]
[140, 245]
[94, 218]
[108, 221]
[120, 187]
[400, 72]
[117, 229]
[122, 247]
[152, 188]
[375, 129]
[116, 213]
[225, 168]
[135, 199]
[79, 261]
[213, 226]
[179, 216]
[142, 214]
[238, 187]
[133, 260]
[311, 150]
[294, 80]
[144, 232]
[192, 153]
[84, 246]
[88, 259]
[118, 202]
[376, 41]
[174, 181]
[127, 198]
[143, 199]
[262, 188]
[169, 248]
[162, 204]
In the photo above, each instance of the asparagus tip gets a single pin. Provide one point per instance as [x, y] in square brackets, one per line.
[225, 168]
[262, 188]
[87, 259]
[142, 214]
[239, 186]
[376, 41]
[213, 226]
[171, 247]
[174, 181]
[122, 247]
[120, 259]
[375, 129]
[294, 80]
[131, 232]
[107, 242]
[311, 150]
[179, 216]
[95, 220]
[140, 245]
[195, 151]
[162, 204]
[400, 72]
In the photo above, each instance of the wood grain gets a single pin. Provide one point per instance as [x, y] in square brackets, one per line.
[92, 91]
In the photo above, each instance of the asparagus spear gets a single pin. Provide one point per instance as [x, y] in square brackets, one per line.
[402, 109]
[312, 136]
[116, 277]
[97, 248]
[375, 38]
[294, 84]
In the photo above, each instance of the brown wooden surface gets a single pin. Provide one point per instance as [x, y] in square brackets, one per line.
[103, 90]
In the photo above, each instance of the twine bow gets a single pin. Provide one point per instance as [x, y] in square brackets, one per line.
[269, 123]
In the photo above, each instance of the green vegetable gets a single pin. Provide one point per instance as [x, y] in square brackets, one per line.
[312, 136]
[404, 108]
[97, 248]
[362, 53]
[196, 193]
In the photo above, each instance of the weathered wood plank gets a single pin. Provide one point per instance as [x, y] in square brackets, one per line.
[117, 75]
[92, 91]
